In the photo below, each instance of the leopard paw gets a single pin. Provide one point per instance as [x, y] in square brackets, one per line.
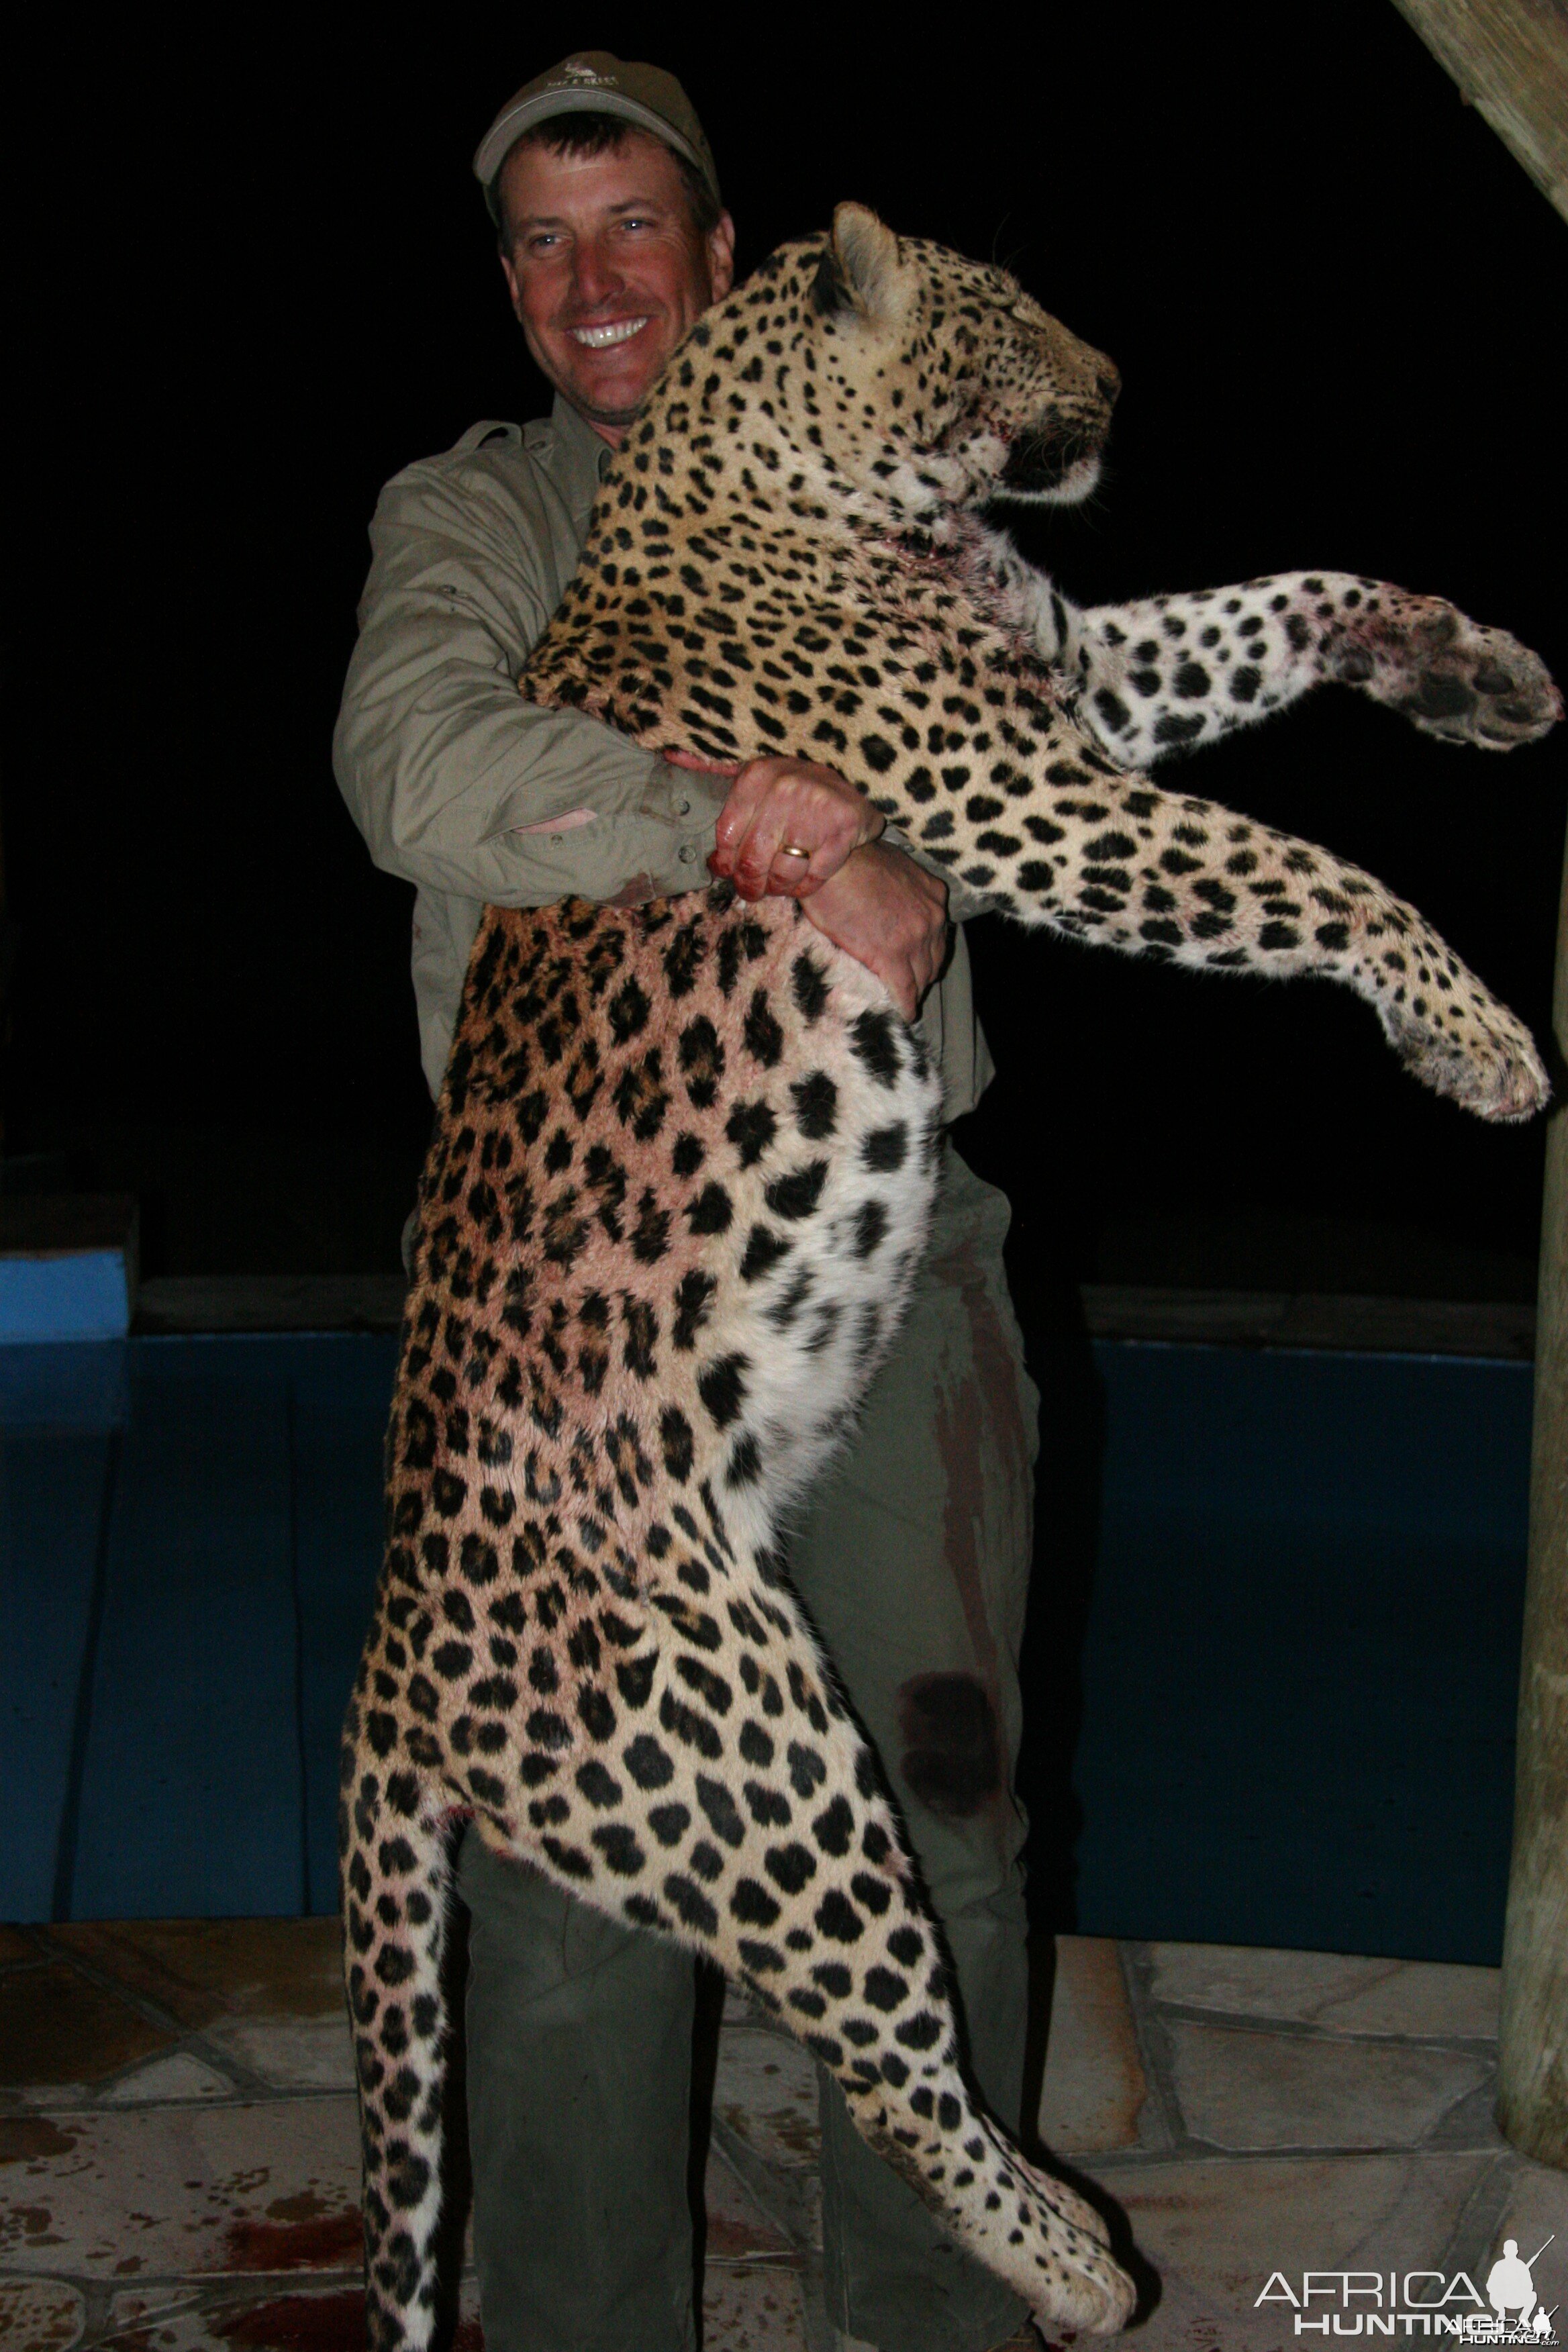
[1082, 2286]
[1471, 685]
[1090, 2292]
[1488, 1065]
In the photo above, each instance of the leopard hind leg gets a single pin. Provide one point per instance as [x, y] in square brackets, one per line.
[738, 1808]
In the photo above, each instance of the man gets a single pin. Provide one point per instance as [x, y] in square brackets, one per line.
[1510, 2286]
[913, 1559]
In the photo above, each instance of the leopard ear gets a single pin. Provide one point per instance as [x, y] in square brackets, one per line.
[859, 266]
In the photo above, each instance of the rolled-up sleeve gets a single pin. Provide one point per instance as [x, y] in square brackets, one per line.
[452, 778]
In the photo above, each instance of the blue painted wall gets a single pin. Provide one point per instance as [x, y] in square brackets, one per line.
[1298, 1678]
[184, 1588]
[1303, 1662]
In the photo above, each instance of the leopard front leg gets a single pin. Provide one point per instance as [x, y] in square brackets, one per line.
[1170, 672]
[1110, 859]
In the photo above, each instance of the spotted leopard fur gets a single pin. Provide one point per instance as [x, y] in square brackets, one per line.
[685, 1155]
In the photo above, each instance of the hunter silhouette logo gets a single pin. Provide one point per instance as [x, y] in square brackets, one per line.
[1510, 2291]
[1420, 2302]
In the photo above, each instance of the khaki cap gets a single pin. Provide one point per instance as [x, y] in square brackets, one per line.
[591, 82]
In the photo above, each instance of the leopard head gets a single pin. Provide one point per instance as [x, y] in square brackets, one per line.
[940, 381]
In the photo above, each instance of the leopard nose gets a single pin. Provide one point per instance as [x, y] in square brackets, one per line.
[1108, 383]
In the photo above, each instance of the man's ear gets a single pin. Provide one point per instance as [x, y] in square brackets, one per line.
[722, 255]
[859, 265]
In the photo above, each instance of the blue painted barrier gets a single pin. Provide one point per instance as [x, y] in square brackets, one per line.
[1301, 1668]
[82, 1297]
[184, 1601]
[1298, 1675]
[68, 1267]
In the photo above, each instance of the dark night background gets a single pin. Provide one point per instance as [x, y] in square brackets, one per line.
[258, 279]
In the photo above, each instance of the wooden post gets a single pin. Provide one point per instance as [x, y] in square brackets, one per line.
[1509, 58]
[1532, 2097]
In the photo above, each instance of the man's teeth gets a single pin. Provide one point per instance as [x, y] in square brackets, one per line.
[599, 339]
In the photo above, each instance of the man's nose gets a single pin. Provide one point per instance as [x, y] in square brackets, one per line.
[595, 278]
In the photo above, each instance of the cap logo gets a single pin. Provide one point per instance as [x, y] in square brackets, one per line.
[575, 70]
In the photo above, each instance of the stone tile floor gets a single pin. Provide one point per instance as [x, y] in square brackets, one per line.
[178, 2168]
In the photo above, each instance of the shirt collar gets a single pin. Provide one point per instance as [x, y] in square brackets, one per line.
[582, 460]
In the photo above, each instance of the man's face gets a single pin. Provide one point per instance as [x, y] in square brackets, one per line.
[606, 271]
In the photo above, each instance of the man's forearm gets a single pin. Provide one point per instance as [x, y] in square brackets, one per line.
[457, 787]
[455, 780]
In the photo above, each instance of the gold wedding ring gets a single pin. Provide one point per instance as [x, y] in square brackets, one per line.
[793, 849]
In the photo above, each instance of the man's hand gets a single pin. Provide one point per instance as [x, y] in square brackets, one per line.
[890, 915]
[790, 829]
[787, 827]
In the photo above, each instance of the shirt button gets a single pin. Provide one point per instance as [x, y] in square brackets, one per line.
[688, 852]
[683, 808]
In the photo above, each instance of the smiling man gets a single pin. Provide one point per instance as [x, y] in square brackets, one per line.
[914, 1557]
[613, 245]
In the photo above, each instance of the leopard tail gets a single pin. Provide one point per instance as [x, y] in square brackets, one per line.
[394, 1847]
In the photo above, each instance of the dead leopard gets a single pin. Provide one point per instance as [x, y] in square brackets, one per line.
[684, 1160]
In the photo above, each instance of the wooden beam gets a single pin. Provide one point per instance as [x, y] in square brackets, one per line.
[1532, 2087]
[1509, 58]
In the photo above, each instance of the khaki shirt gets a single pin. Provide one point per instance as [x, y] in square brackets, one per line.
[455, 780]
